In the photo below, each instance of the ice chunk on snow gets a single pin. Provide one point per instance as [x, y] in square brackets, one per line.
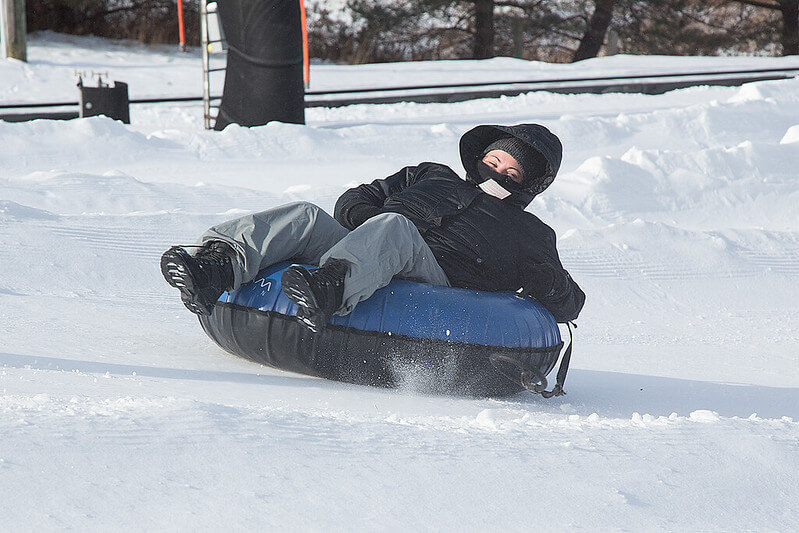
[703, 415]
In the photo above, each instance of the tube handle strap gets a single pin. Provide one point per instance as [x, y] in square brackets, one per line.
[557, 390]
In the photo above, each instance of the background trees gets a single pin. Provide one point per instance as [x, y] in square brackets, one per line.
[359, 31]
[789, 13]
[149, 21]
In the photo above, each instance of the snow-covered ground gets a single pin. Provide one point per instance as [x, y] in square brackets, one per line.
[678, 214]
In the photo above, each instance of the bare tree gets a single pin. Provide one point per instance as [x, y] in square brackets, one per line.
[595, 30]
[542, 30]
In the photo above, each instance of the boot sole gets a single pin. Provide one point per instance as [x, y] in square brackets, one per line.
[176, 273]
[295, 283]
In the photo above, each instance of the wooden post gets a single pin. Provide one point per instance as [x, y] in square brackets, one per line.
[15, 31]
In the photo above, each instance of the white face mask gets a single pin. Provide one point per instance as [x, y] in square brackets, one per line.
[494, 189]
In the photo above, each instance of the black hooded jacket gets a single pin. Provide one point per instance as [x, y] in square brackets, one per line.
[480, 241]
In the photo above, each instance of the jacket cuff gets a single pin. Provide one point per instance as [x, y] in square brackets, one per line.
[361, 213]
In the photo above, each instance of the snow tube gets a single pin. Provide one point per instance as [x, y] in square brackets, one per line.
[411, 335]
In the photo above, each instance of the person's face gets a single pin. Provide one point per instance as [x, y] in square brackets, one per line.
[504, 163]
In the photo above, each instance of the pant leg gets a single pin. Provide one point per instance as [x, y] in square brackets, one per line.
[381, 248]
[298, 231]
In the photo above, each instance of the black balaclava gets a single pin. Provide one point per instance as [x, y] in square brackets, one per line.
[532, 162]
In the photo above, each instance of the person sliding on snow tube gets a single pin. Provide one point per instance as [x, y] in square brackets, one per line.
[423, 223]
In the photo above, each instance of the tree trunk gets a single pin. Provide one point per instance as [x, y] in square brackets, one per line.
[483, 29]
[790, 27]
[15, 31]
[595, 31]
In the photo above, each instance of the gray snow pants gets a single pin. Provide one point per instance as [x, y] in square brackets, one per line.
[385, 246]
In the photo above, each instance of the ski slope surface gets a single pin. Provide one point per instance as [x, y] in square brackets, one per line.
[678, 214]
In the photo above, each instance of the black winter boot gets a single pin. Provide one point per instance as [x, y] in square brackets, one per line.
[202, 278]
[318, 293]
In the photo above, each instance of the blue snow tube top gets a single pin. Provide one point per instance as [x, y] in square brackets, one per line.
[431, 338]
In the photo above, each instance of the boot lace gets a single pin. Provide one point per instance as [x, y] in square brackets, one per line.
[332, 273]
[216, 253]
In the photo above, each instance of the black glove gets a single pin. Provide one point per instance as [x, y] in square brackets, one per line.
[538, 280]
[361, 213]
